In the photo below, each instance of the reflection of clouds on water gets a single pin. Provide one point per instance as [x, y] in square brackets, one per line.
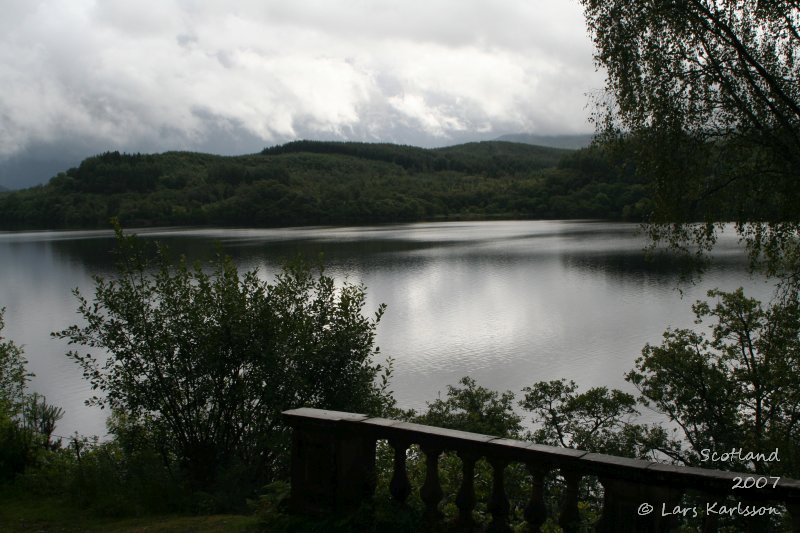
[509, 303]
[36, 290]
[449, 320]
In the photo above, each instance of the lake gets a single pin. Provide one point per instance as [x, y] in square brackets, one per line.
[506, 302]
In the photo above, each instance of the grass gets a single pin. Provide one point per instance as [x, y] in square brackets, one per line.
[49, 514]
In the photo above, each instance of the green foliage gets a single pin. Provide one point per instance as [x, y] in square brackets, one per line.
[201, 362]
[41, 418]
[113, 172]
[13, 377]
[308, 182]
[407, 157]
[496, 159]
[26, 420]
[598, 420]
[379, 515]
[716, 67]
[20, 513]
[467, 407]
[18, 449]
[707, 95]
[470, 407]
[734, 388]
[108, 479]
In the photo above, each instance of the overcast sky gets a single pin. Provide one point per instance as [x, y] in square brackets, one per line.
[79, 77]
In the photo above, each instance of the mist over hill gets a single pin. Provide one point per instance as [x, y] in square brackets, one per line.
[27, 169]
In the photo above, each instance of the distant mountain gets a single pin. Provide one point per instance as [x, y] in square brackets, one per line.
[507, 155]
[483, 156]
[2, 188]
[570, 142]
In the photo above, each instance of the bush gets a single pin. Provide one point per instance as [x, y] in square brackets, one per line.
[26, 421]
[202, 361]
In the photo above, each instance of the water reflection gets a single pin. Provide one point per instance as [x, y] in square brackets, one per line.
[509, 303]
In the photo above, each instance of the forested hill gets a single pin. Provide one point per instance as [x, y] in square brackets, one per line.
[556, 141]
[312, 182]
[492, 157]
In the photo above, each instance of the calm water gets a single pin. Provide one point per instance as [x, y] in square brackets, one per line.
[509, 303]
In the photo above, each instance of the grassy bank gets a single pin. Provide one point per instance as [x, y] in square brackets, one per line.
[27, 513]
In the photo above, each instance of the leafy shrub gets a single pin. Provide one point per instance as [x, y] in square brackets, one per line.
[201, 364]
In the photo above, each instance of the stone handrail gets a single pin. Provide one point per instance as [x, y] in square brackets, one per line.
[333, 469]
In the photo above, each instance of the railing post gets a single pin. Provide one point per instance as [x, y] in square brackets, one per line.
[624, 507]
[332, 469]
[431, 491]
[710, 522]
[793, 506]
[465, 499]
[498, 502]
[399, 486]
[570, 517]
[670, 497]
[536, 511]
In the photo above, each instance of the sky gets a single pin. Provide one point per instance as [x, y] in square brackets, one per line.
[81, 77]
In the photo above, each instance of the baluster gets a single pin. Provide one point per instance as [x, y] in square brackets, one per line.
[536, 512]
[710, 524]
[670, 497]
[431, 491]
[621, 501]
[617, 515]
[498, 502]
[710, 521]
[399, 486]
[570, 518]
[756, 523]
[465, 499]
[793, 506]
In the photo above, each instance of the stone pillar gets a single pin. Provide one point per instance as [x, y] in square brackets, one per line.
[333, 464]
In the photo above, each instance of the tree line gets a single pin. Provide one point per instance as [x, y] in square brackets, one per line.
[311, 183]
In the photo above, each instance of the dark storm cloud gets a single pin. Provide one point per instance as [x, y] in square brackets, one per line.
[235, 76]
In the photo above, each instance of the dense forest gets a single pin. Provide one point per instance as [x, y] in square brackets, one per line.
[312, 182]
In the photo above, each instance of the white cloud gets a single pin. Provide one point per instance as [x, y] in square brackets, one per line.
[157, 75]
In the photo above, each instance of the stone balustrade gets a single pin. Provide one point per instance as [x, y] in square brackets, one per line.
[333, 469]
